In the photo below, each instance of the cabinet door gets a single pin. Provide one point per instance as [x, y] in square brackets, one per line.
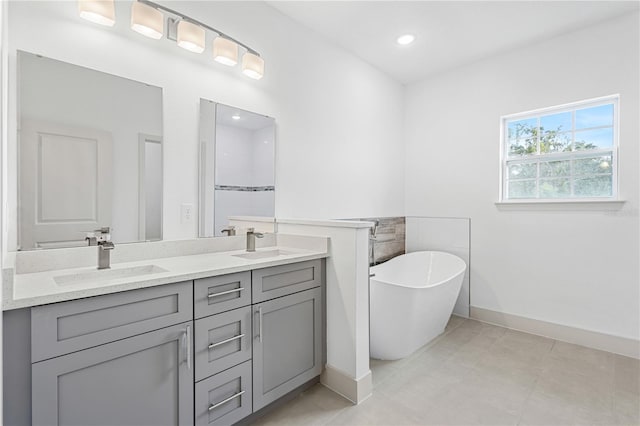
[287, 345]
[142, 380]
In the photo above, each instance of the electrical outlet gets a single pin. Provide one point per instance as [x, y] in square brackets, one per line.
[186, 215]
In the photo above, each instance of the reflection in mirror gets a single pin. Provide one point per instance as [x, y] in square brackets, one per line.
[237, 166]
[90, 155]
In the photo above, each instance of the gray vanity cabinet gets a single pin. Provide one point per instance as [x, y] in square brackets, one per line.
[142, 380]
[287, 345]
[210, 351]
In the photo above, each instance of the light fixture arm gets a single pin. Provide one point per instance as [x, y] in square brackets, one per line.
[194, 21]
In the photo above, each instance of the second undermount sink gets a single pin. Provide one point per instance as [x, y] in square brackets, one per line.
[105, 275]
[263, 254]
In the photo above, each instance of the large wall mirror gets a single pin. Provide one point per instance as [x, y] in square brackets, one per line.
[237, 166]
[90, 155]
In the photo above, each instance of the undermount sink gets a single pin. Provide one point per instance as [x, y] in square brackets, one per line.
[263, 254]
[104, 275]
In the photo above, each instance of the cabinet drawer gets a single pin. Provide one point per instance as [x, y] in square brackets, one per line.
[277, 281]
[223, 293]
[225, 398]
[66, 327]
[222, 341]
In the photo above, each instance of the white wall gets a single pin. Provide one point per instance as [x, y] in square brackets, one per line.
[572, 266]
[339, 121]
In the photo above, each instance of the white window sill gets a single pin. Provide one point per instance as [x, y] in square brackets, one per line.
[607, 205]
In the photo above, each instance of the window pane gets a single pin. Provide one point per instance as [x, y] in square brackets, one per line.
[597, 186]
[592, 166]
[593, 139]
[522, 129]
[520, 147]
[522, 189]
[554, 188]
[555, 169]
[593, 117]
[552, 141]
[522, 171]
[556, 122]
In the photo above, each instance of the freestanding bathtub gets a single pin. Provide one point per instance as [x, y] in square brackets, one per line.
[412, 297]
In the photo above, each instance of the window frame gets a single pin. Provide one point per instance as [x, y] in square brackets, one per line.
[559, 156]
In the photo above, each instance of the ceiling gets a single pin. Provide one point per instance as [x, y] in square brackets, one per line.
[448, 33]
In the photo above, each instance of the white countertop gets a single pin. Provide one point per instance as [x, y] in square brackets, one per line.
[38, 288]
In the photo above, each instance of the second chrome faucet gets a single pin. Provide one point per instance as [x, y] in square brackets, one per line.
[102, 238]
[251, 239]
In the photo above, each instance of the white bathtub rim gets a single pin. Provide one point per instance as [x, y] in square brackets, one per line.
[394, 283]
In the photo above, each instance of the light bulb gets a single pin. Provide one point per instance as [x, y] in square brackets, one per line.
[191, 36]
[147, 20]
[252, 66]
[225, 51]
[406, 39]
[100, 12]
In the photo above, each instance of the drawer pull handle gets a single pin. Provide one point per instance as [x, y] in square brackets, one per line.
[222, 293]
[231, 339]
[213, 407]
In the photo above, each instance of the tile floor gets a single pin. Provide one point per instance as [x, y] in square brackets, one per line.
[475, 374]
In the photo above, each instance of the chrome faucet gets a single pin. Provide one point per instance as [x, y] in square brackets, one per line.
[102, 238]
[251, 239]
[229, 230]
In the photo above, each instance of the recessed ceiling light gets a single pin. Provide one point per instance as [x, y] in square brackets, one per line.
[235, 117]
[406, 39]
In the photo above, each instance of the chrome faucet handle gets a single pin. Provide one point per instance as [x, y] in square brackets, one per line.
[107, 245]
[254, 233]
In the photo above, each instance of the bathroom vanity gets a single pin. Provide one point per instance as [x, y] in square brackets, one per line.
[209, 350]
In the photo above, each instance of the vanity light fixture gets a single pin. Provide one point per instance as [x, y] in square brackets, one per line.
[100, 12]
[147, 19]
[235, 117]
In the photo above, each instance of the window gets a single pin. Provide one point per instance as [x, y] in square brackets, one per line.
[561, 153]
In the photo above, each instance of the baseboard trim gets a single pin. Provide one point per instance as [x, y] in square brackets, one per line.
[592, 339]
[355, 390]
